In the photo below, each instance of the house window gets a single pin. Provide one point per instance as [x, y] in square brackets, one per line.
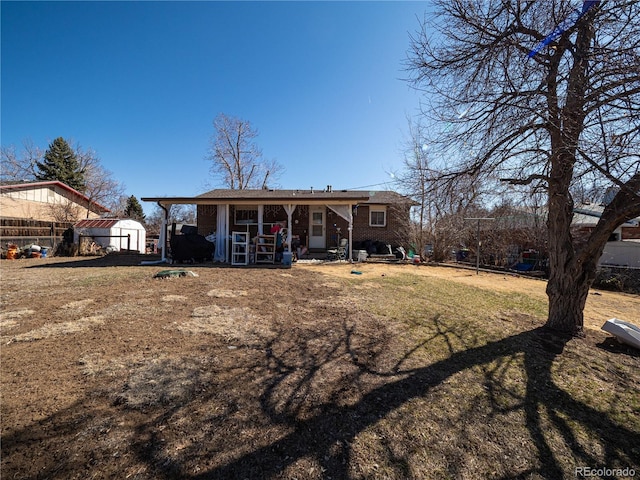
[378, 216]
[246, 215]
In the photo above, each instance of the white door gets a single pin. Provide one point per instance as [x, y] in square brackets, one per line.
[317, 227]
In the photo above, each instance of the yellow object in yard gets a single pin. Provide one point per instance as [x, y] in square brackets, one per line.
[12, 252]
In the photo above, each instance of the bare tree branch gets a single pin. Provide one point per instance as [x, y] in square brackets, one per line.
[568, 115]
[236, 159]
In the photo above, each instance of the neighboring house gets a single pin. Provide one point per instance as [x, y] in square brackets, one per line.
[586, 217]
[318, 218]
[50, 201]
[623, 247]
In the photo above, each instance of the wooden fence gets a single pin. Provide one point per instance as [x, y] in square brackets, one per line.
[25, 232]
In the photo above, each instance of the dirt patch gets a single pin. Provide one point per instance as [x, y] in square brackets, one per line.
[232, 324]
[222, 293]
[55, 330]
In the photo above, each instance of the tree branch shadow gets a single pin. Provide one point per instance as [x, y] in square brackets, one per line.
[287, 374]
[317, 436]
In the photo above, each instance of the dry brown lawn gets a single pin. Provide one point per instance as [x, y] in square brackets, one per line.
[311, 372]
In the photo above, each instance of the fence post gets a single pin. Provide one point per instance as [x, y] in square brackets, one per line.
[128, 242]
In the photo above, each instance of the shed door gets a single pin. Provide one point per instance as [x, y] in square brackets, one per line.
[123, 241]
[317, 226]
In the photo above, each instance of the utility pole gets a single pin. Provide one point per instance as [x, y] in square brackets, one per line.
[479, 242]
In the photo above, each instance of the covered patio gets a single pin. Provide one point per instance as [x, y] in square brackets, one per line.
[305, 214]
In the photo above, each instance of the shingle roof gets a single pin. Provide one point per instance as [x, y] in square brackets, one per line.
[589, 215]
[374, 196]
[259, 194]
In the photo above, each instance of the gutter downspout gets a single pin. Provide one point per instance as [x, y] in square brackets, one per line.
[163, 232]
[162, 240]
[350, 256]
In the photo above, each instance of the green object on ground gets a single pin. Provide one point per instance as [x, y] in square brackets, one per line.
[175, 273]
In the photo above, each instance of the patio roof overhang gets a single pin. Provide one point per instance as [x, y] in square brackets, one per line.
[321, 198]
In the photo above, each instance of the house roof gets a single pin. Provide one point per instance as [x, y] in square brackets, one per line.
[288, 196]
[52, 183]
[588, 215]
[283, 195]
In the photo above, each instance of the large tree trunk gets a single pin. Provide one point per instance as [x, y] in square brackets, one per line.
[567, 289]
[571, 271]
[568, 284]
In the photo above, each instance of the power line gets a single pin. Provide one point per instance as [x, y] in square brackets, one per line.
[367, 186]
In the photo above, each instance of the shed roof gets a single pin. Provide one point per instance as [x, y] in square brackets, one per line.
[97, 223]
[128, 223]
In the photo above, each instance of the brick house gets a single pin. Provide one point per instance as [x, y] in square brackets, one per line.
[316, 219]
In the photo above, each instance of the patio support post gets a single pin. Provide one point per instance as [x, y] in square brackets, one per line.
[226, 234]
[289, 209]
[260, 219]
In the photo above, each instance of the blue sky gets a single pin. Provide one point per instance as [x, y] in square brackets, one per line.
[141, 82]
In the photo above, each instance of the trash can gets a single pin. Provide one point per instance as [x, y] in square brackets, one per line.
[359, 255]
[287, 258]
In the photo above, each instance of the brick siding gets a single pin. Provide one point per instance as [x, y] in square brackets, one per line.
[396, 220]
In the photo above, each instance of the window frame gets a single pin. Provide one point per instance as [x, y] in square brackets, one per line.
[245, 221]
[378, 209]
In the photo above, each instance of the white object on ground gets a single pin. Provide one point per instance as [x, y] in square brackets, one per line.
[624, 331]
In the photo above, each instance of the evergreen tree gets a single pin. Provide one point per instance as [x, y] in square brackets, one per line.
[134, 209]
[61, 163]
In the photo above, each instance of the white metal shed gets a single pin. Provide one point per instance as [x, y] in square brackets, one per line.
[122, 233]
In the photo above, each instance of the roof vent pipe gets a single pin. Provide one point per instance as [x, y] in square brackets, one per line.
[311, 189]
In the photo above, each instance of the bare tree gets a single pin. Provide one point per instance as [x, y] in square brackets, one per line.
[101, 187]
[438, 218]
[19, 166]
[118, 206]
[412, 180]
[544, 118]
[517, 228]
[177, 214]
[65, 211]
[237, 160]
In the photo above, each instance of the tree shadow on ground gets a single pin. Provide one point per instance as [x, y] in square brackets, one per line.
[316, 392]
[339, 425]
